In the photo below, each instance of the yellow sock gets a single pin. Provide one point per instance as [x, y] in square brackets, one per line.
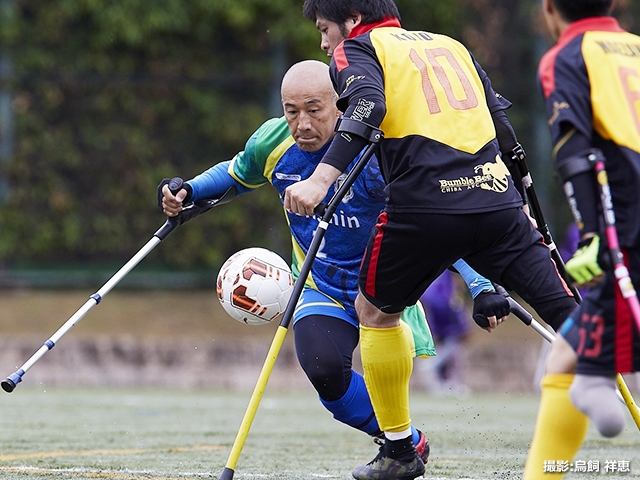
[560, 430]
[387, 362]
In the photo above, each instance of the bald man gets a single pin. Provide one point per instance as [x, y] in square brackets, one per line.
[281, 152]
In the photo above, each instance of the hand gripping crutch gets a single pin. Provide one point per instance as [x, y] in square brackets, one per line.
[187, 213]
[374, 136]
[526, 318]
[519, 158]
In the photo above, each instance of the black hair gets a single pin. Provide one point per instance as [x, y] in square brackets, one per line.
[572, 10]
[339, 11]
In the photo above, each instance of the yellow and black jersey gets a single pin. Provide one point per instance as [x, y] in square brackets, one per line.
[591, 80]
[433, 103]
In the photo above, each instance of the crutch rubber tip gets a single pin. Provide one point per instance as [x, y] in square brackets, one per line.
[227, 474]
[8, 385]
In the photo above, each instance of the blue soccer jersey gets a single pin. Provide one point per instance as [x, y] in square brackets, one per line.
[271, 156]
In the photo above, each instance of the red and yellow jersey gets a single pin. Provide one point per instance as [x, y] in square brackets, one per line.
[591, 80]
[433, 103]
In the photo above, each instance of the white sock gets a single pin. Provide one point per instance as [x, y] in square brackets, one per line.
[398, 435]
[596, 397]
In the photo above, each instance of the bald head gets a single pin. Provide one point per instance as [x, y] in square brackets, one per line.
[309, 104]
[308, 76]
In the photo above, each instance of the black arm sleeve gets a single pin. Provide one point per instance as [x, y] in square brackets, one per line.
[507, 140]
[584, 184]
[362, 98]
[504, 132]
[343, 150]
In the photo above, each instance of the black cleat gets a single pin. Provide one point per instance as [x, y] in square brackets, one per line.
[383, 467]
[423, 448]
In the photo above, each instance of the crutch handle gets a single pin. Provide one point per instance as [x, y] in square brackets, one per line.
[175, 185]
[517, 309]
[320, 209]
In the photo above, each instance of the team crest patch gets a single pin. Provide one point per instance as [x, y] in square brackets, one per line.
[349, 195]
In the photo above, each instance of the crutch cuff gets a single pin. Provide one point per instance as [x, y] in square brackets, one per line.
[577, 164]
[359, 128]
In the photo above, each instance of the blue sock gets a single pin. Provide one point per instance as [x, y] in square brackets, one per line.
[415, 435]
[354, 409]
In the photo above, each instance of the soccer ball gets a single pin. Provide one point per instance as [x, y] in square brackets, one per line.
[254, 286]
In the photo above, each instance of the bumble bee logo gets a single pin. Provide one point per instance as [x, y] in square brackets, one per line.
[488, 176]
[496, 174]
[349, 195]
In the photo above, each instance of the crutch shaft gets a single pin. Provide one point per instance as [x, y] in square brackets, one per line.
[9, 383]
[543, 227]
[620, 270]
[254, 402]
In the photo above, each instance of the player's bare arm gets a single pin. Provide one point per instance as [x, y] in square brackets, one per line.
[302, 197]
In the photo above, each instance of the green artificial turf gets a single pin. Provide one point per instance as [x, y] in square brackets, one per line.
[128, 434]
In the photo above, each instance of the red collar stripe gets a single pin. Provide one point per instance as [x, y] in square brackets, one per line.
[339, 56]
[386, 22]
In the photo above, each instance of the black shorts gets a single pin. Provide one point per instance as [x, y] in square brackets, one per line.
[608, 340]
[407, 251]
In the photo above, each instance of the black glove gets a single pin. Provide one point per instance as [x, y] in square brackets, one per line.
[489, 304]
[165, 181]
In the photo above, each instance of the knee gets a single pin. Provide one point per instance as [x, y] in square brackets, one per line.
[562, 358]
[327, 370]
[331, 381]
[370, 316]
[319, 369]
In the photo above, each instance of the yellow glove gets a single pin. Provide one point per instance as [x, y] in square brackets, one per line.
[583, 265]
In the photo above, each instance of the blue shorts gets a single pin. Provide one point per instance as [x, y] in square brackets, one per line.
[313, 302]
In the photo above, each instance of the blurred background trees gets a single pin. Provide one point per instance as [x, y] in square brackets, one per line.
[100, 100]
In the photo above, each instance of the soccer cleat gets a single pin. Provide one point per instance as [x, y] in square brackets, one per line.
[383, 467]
[422, 447]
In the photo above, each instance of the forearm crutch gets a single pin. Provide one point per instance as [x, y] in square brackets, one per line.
[520, 159]
[189, 211]
[374, 136]
[620, 270]
[526, 318]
